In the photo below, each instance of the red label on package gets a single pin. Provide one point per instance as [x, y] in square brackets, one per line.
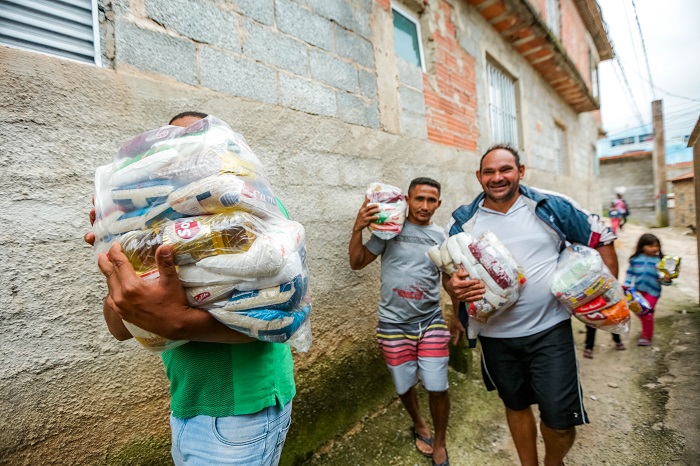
[202, 296]
[186, 230]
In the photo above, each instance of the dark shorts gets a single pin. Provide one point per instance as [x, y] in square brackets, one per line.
[538, 369]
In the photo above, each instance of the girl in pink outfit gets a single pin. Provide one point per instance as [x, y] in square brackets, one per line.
[643, 274]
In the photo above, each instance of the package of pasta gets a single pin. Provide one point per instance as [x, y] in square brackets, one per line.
[392, 210]
[202, 190]
[589, 291]
[484, 258]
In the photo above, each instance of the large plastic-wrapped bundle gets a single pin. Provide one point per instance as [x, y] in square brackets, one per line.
[203, 190]
[592, 294]
[486, 259]
[392, 210]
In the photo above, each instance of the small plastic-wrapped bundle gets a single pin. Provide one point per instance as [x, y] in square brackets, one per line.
[392, 210]
[203, 190]
[669, 265]
[636, 302]
[485, 259]
[592, 294]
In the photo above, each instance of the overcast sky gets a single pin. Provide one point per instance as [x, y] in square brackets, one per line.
[672, 37]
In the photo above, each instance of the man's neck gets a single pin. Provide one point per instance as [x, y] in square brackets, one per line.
[417, 223]
[501, 206]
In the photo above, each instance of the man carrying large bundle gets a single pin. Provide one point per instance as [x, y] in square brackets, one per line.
[231, 395]
[528, 351]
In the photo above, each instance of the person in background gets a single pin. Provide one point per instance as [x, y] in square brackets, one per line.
[643, 274]
[230, 395]
[590, 342]
[617, 212]
[411, 331]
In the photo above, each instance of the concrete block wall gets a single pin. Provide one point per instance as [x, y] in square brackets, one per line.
[540, 109]
[684, 210]
[313, 56]
[636, 174]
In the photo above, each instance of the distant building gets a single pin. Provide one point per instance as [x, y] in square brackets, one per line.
[633, 175]
[683, 213]
[642, 139]
[625, 164]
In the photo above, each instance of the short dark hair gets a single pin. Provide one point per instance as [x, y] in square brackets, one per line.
[507, 147]
[424, 180]
[188, 114]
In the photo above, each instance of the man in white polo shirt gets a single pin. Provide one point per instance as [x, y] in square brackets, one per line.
[528, 352]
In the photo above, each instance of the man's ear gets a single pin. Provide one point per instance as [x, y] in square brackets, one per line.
[522, 171]
[478, 175]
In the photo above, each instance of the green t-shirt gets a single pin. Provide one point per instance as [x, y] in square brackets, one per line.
[218, 379]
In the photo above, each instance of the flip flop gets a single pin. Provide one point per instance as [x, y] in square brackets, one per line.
[427, 441]
[444, 463]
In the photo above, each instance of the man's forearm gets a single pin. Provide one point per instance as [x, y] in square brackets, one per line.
[359, 257]
[609, 256]
[200, 325]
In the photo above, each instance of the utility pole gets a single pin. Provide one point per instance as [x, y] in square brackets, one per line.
[659, 162]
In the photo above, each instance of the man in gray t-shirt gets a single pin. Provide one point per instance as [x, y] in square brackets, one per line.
[411, 331]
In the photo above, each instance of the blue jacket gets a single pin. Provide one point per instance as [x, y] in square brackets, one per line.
[566, 220]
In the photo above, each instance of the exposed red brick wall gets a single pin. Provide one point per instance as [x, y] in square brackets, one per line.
[386, 4]
[450, 93]
[573, 38]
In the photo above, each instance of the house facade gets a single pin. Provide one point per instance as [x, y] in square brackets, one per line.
[331, 95]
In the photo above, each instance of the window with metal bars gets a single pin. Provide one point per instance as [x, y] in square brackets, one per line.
[503, 108]
[63, 28]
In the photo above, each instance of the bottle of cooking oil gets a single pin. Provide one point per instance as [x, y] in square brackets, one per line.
[193, 239]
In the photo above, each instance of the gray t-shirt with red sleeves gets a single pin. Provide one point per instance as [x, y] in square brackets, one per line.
[410, 290]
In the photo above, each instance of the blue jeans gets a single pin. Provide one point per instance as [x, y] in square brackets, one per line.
[247, 440]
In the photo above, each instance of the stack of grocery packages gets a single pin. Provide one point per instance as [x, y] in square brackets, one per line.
[203, 190]
[392, 210]
[484, 258]
[592, 294]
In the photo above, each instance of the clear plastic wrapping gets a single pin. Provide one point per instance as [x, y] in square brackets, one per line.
[203, 190]
[669, 265]
[589, 291]
[486, 259]
[392, 210]
[636, 302]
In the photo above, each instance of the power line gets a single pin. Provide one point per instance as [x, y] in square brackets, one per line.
[665, 91]
[633, 42]
[644, 48]
[675, 115]
[629, 89]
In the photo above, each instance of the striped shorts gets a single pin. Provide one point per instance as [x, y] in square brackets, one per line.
[413, 349]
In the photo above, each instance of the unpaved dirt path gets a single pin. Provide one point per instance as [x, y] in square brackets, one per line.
[644, 402]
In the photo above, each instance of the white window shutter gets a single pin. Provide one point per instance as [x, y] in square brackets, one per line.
[64, 28]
